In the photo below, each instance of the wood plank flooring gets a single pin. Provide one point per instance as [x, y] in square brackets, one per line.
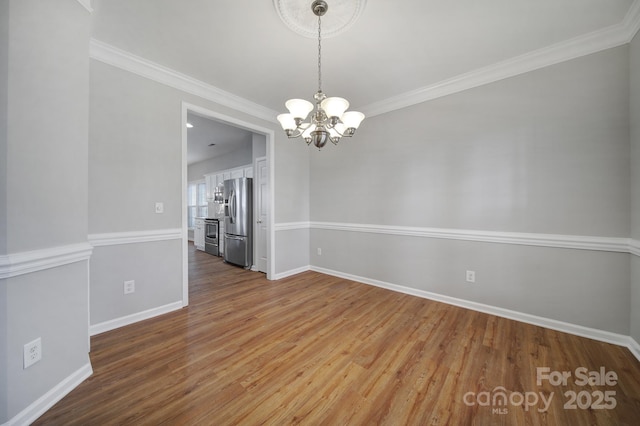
[318, 350]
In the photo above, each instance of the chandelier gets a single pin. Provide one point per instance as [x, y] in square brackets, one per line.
[330, 121]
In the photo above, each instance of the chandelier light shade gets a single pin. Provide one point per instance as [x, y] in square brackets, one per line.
[330, 121]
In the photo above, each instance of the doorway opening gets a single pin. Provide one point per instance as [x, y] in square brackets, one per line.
[235, 147]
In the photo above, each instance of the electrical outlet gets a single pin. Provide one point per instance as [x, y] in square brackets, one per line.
[159, 207]
[471, 276]
[319, 251]
[32, 352]
[129, 287]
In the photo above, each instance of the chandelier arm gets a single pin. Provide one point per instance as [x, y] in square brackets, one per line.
[321, 120]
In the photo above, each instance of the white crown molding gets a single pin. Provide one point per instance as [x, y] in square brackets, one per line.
[134, 237]
[606, 38]
[578, 330]
[133, 318]
[113, 56]
[631, 21]
[542, 240]
[27, 262]
[86, 4]
[48, 400]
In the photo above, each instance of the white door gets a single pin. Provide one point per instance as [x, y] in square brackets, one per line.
[260, 182]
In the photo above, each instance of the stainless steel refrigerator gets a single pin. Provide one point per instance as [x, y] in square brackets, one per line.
[238, 221]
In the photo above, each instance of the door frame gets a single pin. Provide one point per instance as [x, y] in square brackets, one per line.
[270, 141]
[256, 208]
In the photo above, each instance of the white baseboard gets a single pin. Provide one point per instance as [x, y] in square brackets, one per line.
[634, 347]
[133, 318]
[46, 401]
[578, 330]
[291, 272]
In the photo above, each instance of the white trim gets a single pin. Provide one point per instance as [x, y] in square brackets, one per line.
[133, 237]
[27, 262]
[631, 21]
[291, 272]
[270, 141]
[596, 41]
[46, 401]
[86, 4]
[606, 38]
[133, 318]
[184, 174]
[542, 240]
[634, 347]
[576, 242]
[111, 55]
[578, 330]
[290, 226]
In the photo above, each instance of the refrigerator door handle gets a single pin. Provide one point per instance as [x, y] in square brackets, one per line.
[230, 237]
[232, 206]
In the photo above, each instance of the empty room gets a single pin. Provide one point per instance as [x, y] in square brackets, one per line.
[336, 212]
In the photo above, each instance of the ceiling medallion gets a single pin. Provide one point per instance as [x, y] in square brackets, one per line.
[295, 14]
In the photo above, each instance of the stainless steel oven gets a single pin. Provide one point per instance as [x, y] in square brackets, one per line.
[211, 236]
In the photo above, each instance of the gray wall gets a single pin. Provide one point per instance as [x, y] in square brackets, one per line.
[258, 146]
[635, 185]
[4, 93]
[135, 160]
[47, 83]
[544, 152]
[44, 96]
[154, 266]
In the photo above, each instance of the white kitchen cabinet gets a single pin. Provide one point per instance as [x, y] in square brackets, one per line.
[221, 236]
[214, 180]
[198, 233]
[237, 173]
[210, 181]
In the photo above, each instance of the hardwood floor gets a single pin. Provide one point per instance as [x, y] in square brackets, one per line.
[315, 349]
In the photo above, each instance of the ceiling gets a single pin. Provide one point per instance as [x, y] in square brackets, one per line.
[205, 131]
[393, 49]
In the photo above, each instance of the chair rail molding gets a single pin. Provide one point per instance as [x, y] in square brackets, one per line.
[27, 262]
[134, 237]
[579, 242]
[291, 226]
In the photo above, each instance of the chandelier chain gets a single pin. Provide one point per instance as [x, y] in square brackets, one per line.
[319, 58]
[330, 121]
